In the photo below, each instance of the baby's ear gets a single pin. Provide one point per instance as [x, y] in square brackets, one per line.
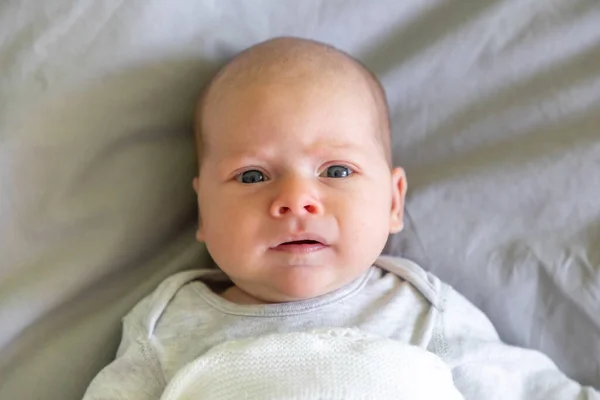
[398, 195]
[200, 231]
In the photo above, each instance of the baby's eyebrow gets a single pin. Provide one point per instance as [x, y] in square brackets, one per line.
[238, 159]
[322, 150]
[343, 146]
[246, 155]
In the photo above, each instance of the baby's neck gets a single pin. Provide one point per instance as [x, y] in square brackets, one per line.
[238, 296]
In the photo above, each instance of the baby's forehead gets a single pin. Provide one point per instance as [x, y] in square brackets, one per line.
[326, 118]
[294, 80]
[236, 138]
[293, 63]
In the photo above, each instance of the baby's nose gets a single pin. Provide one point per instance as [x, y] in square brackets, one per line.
[296, 197]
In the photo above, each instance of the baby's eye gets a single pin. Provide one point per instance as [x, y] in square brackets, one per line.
[337, 171]
[251, 176]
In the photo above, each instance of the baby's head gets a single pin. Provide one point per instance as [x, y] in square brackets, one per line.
[296, 192]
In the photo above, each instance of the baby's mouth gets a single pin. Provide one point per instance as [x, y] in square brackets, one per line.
[300, 246]
[303, 242]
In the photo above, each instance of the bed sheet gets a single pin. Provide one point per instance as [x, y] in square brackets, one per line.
[496, 118]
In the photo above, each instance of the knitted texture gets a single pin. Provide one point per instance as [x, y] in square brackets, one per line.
[337, 363]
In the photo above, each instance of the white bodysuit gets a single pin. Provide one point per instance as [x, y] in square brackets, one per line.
[183, 320]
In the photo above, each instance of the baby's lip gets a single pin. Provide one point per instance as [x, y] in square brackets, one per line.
[301, 246]
[303, 239]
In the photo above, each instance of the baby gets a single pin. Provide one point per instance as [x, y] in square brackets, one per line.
[296, 197]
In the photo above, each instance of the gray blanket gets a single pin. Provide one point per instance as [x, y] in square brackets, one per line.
[496, 118]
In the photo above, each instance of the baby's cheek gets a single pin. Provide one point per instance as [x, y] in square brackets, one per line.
[369, 228]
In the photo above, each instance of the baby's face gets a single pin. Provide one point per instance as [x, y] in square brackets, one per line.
[295, 195]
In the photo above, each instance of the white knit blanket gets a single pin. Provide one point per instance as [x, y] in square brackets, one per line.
[327, 364]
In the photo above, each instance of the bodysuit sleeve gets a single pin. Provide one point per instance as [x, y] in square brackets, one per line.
[483, 367]
[135, 374]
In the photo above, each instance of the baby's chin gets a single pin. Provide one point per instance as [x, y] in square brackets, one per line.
[287, 284]
[303, 289]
